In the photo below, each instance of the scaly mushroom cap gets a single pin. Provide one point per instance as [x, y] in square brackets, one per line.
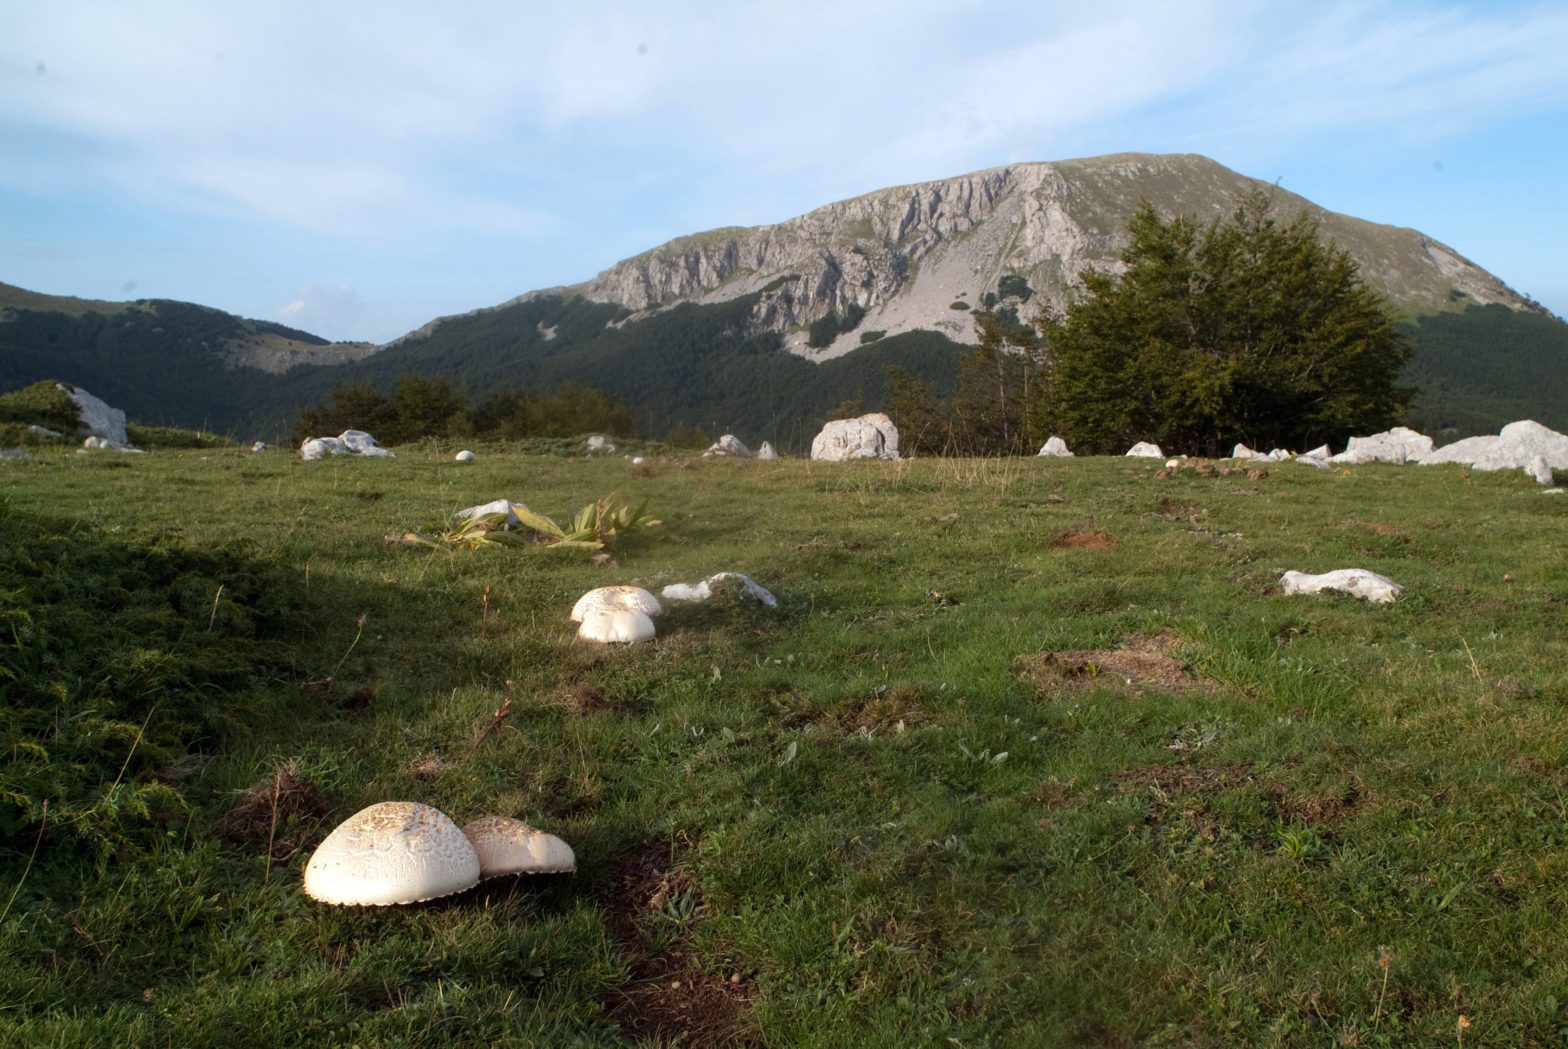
[391, 852]
[508, 846]
[615, 599]
[619, 626]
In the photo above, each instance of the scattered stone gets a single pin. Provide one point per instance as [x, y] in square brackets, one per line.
[1515, 447]
[767, 451]
[728, 445]
[1313, 461]
[96, 418]
[349, 442]
[1145, 450]
[1398, 446]
[495, 506]
[1541, 470]
[43, 431]
[1357, 581]
[637, 460]
[1055, 447]
[704, 590]
[465, 456]
[259, 446]
[871, 436]
[1320, 452]
[1241, 451]
[599, 443]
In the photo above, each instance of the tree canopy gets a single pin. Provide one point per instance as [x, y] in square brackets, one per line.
[1243, 330]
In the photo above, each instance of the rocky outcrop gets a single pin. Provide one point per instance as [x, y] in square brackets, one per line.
[349, 442]
[907, 256]
[869, 437]
[727, 446]
[1357, 581]
[1399, 445]
[96, 418]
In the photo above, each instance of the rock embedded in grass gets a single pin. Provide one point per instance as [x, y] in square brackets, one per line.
[745, 585]
[390, 853]
[1145, 450]
[1370, 586]
[465, 456]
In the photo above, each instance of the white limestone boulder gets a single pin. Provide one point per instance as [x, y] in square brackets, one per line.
[767, 451]
[312, 448]
[727, 445]
[259, 446]
[600, 443]
[95, 418]
[1241, 451]
[1541, 470]
[464, 456]
[495, 506]
[745, 585]
[1144, 450]
[870, 436]
[1399, 446]
[1369, 586]
[1054, 448]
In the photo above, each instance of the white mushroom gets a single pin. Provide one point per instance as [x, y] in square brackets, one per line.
[465, 456]
[615, 599]
[620, 625]
[508, 846]
[391, 852]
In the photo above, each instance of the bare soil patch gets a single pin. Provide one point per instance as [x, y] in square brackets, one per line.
[1141, 662]
[671, 997]
[1085, 539]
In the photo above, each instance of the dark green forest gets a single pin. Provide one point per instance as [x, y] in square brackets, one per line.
[689, 368]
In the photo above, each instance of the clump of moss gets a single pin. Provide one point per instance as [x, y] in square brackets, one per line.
[41, 404]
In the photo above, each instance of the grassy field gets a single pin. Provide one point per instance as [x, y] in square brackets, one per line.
[1031, 754]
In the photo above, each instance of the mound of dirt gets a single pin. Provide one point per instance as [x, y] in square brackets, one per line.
[1140, 663]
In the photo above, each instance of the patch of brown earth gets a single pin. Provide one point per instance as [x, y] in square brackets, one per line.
[1141, 662]
[670, 998]
[1076, 538]
[1181, 778]
[881, 710]
[283, 812]
[427, 767]
[586, 699]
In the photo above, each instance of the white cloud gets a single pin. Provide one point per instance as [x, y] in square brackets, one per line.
[328, 310]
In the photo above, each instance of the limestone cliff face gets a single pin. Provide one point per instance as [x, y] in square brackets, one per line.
[907, 255]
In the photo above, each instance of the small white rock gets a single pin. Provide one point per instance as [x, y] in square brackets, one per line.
[465, 456]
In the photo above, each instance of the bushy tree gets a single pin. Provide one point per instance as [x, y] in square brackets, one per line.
[350, 406]
[1244, 330]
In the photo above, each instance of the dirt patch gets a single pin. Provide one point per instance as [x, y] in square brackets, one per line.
[881, 710]
[1084, 539]
[1322, 808]
[585, 699]
[283, 812]
[427, 768]
[1141, 662]
[1372, 526]
[670, 997]
[1185, 779]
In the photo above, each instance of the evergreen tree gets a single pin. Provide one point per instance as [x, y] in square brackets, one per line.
[1245, 330]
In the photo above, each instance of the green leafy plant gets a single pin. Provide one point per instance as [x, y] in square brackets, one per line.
[592, 528]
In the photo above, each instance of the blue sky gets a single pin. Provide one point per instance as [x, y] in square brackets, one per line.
[356, 169]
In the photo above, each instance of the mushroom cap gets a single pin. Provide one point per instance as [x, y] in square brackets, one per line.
[618, 625]
[615, 599]
[391, 852]
[508, 846]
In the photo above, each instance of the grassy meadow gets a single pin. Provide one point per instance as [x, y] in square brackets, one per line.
[1031, 754]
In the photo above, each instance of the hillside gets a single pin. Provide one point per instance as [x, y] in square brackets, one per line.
[764, 331]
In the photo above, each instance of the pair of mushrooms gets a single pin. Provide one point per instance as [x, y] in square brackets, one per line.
[616, 614]
[403, 852]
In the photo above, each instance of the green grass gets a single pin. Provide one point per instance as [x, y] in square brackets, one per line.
[821, 789]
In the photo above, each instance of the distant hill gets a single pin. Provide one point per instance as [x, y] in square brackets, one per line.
[763, 331]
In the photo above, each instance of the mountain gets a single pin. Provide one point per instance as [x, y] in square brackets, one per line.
[763, 331]
[906, 256]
